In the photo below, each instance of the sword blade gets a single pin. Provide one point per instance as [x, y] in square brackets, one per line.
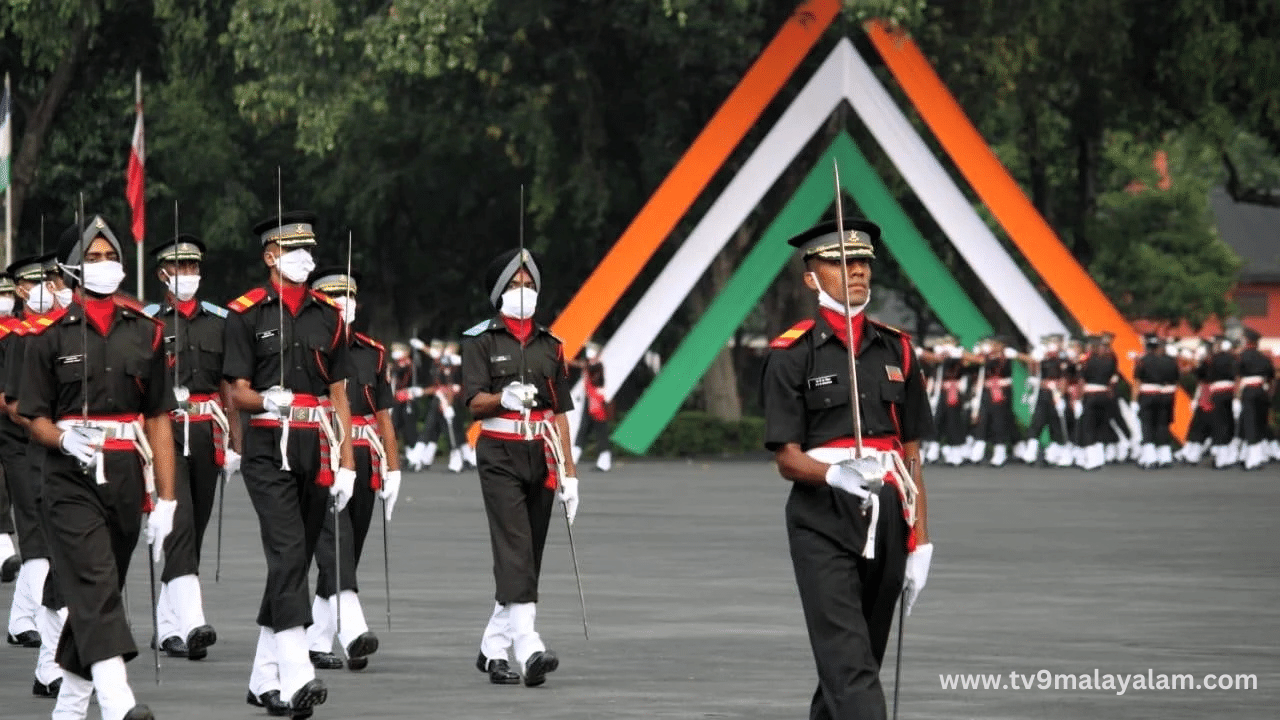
[577, 573]
[155, 611]
[386, 562]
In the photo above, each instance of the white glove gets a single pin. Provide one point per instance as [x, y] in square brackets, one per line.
[568, 494]
[845, 476]
[231, 463]
[159, 525]
[448, 412]
[1236, 407]
[417, 344]
[917, 573]
[416, 392]
[1010, 353]
[389, 492]
[517, 397]
[81, 443]
[277, 400]
[344, 484]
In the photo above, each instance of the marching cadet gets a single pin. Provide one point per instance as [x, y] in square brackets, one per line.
[449, 392]
[12, 563]
[996, 426]
[404, 385]
[595, 421]
[23, 486]
[1256, 375]
[97, 392]
[1222, 370]
[857, 533]
[1097, 370]
[515, 380]
[1049, 364]
[285, 355]
[1155, 377]
[1198, 433]
[205, 440]
[44, 295]
[377, 475]
[951, 418]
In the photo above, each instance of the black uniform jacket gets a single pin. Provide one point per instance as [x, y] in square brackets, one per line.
[805, 387]
[313, 344]
[491, 360]
[369, 388]
[194, 344]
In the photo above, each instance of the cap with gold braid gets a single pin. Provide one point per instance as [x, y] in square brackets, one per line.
[27, 269]
[6, 283]
[183, 248]
[823, 240]
[292, 229]
[334, 281]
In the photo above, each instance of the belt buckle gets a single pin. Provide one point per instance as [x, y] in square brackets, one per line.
[299, 414]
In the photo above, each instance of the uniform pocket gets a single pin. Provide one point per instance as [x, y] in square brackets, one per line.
[828, 396]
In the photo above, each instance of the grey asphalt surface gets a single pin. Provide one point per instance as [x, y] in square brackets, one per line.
[694, 614]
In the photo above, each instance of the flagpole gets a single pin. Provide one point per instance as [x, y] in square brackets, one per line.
[7, 142]
[137, 250]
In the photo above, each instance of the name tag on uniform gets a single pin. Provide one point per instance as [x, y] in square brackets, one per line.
[894, 372]
[70, 359]
[499, 358]
[823, 381]
[266, 334]
[170, 338]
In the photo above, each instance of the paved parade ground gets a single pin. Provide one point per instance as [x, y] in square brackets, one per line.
[694, 613]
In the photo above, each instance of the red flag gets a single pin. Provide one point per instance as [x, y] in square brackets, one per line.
[135, 177]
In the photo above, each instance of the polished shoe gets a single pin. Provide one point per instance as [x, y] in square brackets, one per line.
[9, 569]
[306, 698]
[357, 663]
[26, 638]
[325, 660]
[39, 689]
[139, 712]
[366, 644]
[539, 664]
[269, 700]
[199, 640]
[500, 673]
[174, 646]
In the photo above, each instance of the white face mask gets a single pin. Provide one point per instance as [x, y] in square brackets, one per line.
[519, 303]
[348, 305]
[40, 299]
[63, 297]
[183, 287]
[6, 305]
[102, 277]
[296, 265]
[829, 302]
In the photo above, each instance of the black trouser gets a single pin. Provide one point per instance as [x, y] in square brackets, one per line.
[1045, 415]
[195, 481]
[92, 533]
[7, 526]
[952, 421]
[995, 422]
[51, 594]
[513, 477]
[1254, 407]
[593, 428]
[291, 509]
[23, 479]
[1222, 422]
[354, 520]
[848, 600]
[1095, 419]
[405, 417]
[1155, 412]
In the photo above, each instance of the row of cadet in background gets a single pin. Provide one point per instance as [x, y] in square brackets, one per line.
[430, 412]
[1088, 415]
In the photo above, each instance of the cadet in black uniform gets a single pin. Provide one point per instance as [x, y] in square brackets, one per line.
[523, 432]
[1155, 376]
[193, 334]
[1257, 375]
[286, 358]
[377, 474]
[996, 426]
[1222, 370]
[1097, 370]
[10, 562]
[852, 546]
[1050, 406]
[595, 420]
[94, 486]
[23, 485]
[951, 419]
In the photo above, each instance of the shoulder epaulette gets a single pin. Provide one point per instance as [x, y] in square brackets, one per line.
[129, 302]
[248, 300]
[151, 309]
[321, 297]
[791, 336]
[891, 329]
[213, 309]
[478, 328]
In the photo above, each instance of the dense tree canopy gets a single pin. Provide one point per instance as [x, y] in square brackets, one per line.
[413, 124]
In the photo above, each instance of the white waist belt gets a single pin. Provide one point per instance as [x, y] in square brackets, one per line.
[1219, 385]
[296, 414]
[527, 428]
[1092, 387]
[1157, 388]
[1252, 380]
[905, 485]
[111, 429]
[118, 430]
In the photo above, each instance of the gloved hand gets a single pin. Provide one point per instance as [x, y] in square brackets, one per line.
[1236, 408]
[277, 400]
[81, 443]
[917, 573]
[159, 525]
[416, 392]
[344, 484]
[845, 476]
[1010, 353]
[389, 492]
[417, 344]
[517, 396]
[568, 494]
[448, 412]
[231, 463]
